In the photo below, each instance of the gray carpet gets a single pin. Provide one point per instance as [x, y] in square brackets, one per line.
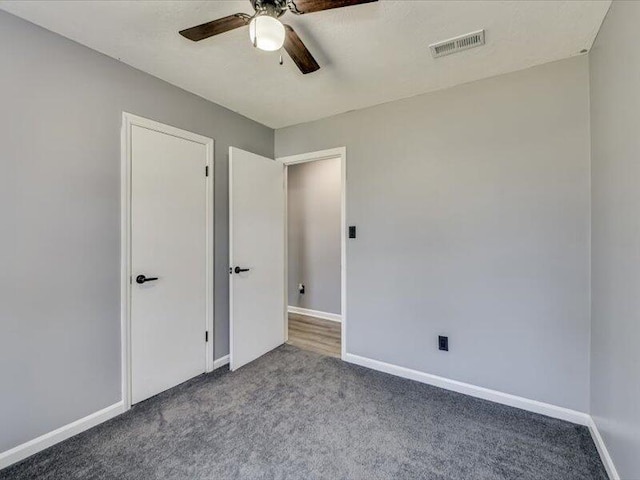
[298, 415]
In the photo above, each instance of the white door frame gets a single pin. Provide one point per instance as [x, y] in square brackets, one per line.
[128, 121]
[340, 152]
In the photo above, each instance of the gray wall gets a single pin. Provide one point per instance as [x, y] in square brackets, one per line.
[60, 209]
[314, 207]
[615, 156]
[472, 208]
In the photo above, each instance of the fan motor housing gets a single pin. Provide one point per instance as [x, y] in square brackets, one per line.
[274, 8]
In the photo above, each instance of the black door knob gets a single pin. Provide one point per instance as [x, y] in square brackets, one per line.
[142, 279]
[238, 269]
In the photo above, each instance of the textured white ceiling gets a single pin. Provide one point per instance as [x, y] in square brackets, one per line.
[369, 54]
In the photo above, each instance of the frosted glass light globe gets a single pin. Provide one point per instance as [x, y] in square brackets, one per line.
[266, 33]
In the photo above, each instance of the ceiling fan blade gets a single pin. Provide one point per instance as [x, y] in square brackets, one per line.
[309, 6]
[209, 29]
[298, 52]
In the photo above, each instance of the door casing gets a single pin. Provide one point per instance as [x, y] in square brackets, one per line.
[128, 121]
[340, 152]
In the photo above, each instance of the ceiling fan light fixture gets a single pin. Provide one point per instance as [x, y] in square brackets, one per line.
[266, 33]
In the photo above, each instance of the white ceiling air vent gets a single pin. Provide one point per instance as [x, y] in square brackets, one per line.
[457, 44]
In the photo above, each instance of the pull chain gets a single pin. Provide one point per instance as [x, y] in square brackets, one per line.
[255, 34]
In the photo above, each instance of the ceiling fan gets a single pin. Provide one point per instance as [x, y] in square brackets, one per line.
[267, 32]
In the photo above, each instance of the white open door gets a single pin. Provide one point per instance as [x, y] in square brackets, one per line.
[256, 256]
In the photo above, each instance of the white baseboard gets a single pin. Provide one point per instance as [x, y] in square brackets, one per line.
[602, 450]
[220, 362]
[48, 439]
[473, 390]
[334, 317]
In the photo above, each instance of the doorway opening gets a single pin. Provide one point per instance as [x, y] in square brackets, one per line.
[315, 251]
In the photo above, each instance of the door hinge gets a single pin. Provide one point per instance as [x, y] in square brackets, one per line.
[206, 171]
[206, 336]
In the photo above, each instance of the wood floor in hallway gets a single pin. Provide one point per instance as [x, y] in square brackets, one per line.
[315, 334]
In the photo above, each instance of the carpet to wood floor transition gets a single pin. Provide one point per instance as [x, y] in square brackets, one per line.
[294, 414]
